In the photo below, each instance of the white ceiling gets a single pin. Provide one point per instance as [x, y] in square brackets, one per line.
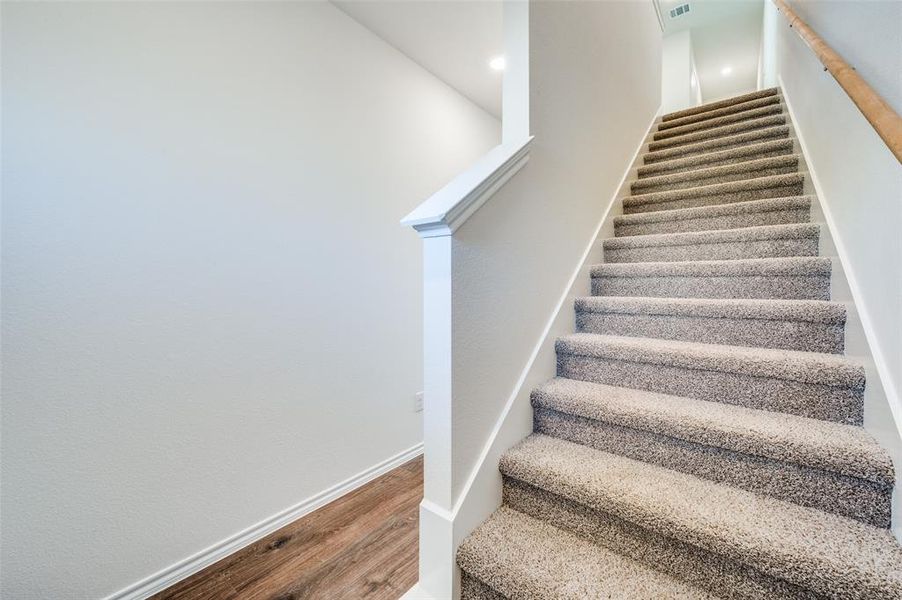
[453, 40]
[724, 33]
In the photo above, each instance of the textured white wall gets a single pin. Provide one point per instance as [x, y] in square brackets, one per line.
[677, 68]
[860, 188]
[867, 34]
[210, 312]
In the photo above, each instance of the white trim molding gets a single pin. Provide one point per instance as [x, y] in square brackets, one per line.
[451, 206]
[173, 574]
[447, 516]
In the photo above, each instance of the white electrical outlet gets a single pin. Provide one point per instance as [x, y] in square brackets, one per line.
[418, 402]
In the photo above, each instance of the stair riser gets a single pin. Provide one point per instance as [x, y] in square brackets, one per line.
[717, 133]
[756, 219]
[722, 251]
[736, 108]
[758, 333]
[638, 188]
[714, 200]
[699, 126]
[726, 578]
[816, 401]
[790, 287]
[718, 145]
[850, 497]
[645, 172]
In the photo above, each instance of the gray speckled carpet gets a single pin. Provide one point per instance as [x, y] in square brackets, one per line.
[703, 437]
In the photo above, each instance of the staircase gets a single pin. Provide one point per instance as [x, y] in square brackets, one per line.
[703, 436]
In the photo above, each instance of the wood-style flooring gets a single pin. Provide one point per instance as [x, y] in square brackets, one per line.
[363, 545]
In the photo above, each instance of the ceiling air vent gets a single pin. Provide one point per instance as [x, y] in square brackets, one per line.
[679, 11]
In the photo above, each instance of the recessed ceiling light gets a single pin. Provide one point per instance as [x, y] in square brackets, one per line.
[497, 63]
[726, 71]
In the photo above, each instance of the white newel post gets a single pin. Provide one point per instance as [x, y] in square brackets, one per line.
[435, 221]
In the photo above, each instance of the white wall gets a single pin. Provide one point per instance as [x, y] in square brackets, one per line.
[595, 84]
[867, 34]
[210, 313]
[859, 184]
[677, 68]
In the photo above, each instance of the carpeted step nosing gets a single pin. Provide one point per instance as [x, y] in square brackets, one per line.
[518, 556]
[711, 123]
[685, 214]
[799, 278]
[738, 155]
[845, 449]
[749, 169]
[715, 133]
[717, 236]
[811, 311]
[804, 367]
[792, 209]
[766, 241]
[808, 384]
[808, 325]
[704, 108]
[718, 268]
[828, 554]
[727, 110]
[717, 144]
[758, 188]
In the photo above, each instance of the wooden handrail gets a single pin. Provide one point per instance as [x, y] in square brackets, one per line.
[885, 121]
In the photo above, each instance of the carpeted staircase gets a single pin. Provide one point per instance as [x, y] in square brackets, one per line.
[703, 437]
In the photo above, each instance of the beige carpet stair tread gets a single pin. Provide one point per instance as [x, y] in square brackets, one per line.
[809, 265]
[814, 311]
[805, 367]
[830, 555]
[779, 147]
[718, 121]
[717, 236]
[807, 325]
[755, 242]
[844, 449]
[722, 131]
[686, 214]
[524, 558]
[719, 193]
[717, 144]
[770, 211]
[711, 175]
[719, 112]
[710, 106]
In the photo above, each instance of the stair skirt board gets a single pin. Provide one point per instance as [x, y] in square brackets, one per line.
[702, 438]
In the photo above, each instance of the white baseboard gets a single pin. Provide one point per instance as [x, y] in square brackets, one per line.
[173, 574]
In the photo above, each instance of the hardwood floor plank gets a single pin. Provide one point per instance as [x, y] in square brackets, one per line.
[363, 545]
